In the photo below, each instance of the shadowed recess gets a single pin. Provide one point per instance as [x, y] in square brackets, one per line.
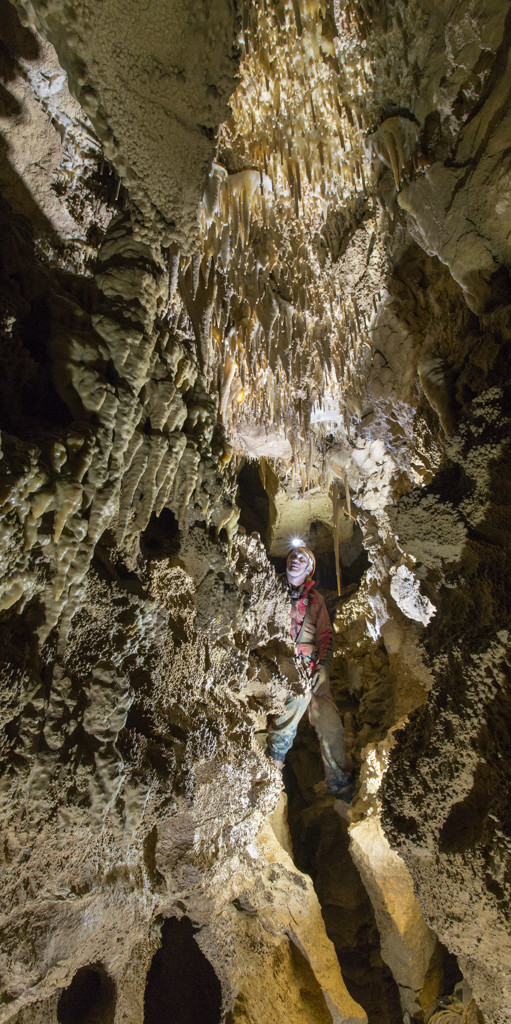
[162, 536]
[90, 997]
[182, 987]
[253, 500]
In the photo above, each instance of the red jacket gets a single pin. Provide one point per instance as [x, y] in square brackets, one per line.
[316, 641]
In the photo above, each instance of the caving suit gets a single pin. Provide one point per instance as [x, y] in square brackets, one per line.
[311, 630]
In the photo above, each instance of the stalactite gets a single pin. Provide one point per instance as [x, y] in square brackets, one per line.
[337, 514]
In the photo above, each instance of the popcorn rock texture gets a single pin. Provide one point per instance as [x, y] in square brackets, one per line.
[155, 84]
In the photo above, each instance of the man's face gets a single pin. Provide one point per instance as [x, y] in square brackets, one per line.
[297, 566]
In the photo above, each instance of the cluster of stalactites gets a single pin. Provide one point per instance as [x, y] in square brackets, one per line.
[292, 110]
[274, 327]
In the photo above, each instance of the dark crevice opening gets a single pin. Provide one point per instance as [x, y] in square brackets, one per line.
[182, 987]
[162, 536]
[29, 401]
[91, 997]
[320, 842]
[253, 501]
[321, 849]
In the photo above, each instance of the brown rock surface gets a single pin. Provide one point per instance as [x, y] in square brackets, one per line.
[254, 261]
[155, 83]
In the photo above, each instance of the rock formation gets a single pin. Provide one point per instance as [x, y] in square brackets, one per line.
[254, 267]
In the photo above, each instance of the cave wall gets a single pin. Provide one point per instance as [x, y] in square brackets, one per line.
[274, 232]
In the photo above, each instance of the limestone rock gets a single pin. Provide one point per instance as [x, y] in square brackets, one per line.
[275, 231]
[407, 943]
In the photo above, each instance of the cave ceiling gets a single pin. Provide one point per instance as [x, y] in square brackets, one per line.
[272, 235]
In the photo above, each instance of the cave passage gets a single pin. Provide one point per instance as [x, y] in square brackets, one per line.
[182, 987]
[321, 849]
[255, 272]
[91, 997]
[254, 504]
[253, 501]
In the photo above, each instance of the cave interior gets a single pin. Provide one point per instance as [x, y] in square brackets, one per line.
[255, 285]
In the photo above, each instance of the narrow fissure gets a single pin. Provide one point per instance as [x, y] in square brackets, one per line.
[181, 987]
[319, 834]
[321, 849]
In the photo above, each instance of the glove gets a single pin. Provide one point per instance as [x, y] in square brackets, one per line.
[321, 680]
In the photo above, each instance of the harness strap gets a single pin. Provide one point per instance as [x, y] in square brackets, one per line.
[304, 623]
